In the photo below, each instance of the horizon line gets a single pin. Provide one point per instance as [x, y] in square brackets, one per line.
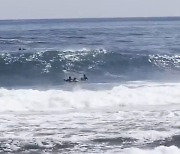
[94, 18]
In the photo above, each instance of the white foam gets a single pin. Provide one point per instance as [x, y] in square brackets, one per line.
[158, 150]
[127, 94]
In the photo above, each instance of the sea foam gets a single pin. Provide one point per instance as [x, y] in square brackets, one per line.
[78, 98]
[158, 150]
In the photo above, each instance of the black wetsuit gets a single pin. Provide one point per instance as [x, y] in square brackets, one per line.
[84, 78]
[68, 80]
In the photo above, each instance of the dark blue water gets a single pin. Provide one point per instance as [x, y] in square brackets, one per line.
[44, 52]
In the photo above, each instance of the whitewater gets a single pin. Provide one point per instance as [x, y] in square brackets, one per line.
[129, 105]
[129, 94]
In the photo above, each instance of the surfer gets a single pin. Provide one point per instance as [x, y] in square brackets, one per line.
[84, 78]
[75, 80]
[22, 49]
[69, 79]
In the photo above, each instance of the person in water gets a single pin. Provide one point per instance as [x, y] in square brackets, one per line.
[84, 78]
[69, 79]
[75, 80]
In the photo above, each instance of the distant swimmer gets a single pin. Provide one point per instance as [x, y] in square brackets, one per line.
[75, 80]
[22, 49]
[69, 79]
[84, 78]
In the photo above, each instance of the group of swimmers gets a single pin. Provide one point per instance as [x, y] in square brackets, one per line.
[84, 78]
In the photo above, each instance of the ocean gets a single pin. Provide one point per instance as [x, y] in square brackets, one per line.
[130, 103]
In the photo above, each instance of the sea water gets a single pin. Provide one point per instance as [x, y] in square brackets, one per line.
[129, 105]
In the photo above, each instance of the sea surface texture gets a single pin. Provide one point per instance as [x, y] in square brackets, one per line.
[130, 103]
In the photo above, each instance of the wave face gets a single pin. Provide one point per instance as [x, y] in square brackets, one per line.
[51, 67]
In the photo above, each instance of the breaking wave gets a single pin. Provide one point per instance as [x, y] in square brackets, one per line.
[79, 98]
[50, 67]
